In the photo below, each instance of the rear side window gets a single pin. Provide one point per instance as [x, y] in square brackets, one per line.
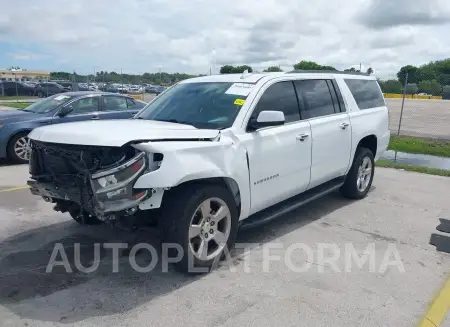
[315, 97]
[281, 97]
[367, 93]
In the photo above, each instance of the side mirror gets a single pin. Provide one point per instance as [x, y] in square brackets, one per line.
[64, 111]
[266, 118]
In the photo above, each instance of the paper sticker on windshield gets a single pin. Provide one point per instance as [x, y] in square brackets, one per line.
[239, 102]
[61, 97]
[242, 89]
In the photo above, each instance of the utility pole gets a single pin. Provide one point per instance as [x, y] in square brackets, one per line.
[403, 103]
[121, 77]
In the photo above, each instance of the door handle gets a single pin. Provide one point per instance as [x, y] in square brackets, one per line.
[344, 125]
[302, 137]
[95, 117]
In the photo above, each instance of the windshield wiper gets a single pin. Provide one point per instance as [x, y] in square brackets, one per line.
[27, 110]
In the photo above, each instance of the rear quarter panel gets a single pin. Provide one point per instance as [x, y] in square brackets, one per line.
[373, 121]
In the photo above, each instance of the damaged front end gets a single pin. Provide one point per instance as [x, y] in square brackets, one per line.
[93, 180]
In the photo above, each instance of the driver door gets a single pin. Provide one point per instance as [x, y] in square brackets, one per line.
[279, 156]
[86, 108]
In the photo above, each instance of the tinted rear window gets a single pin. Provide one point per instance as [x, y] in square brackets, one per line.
[366, 93]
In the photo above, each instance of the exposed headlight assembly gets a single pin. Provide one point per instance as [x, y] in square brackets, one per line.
[113, 188]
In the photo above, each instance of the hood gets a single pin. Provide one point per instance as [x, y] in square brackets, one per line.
[14, 116]
[118, 132]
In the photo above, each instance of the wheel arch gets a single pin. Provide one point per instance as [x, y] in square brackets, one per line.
[369, 142]
[227, 182]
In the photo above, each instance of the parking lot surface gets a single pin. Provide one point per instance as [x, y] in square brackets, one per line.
[421, 118]
[400, 212]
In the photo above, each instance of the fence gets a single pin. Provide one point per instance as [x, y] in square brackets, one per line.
[419, 106]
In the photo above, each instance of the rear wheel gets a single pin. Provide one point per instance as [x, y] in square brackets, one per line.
[203, 221]
[19, 148]
[359, 178]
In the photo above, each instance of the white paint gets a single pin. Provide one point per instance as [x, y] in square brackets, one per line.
[279, 166]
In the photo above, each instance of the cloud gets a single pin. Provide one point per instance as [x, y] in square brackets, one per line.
[388, 13]
[179, 35]
[27, 56]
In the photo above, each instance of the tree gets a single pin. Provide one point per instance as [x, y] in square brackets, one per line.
[241, 69]
[430, 87]
[311, 65]
[351, 70]
[227, 69]
[446, 92]
[411, 88]
[273, 69]
[391, 86]
[413, 74]
[369, 71]
[444, 79]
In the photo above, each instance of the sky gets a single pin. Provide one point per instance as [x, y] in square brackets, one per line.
[190, 36]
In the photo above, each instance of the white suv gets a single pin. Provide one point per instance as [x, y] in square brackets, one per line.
[215, 152]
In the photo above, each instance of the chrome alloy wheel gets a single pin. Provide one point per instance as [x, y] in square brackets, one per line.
[209, 229]
[364, 174]
[22, 148]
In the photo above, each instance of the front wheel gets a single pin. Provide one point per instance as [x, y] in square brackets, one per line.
[203, 221]
[19, 148]
[359, 178]
[83, 218]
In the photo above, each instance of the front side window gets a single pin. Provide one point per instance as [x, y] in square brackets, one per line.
[367, 93]
[212, 105]
[315, 98]
[279, 97]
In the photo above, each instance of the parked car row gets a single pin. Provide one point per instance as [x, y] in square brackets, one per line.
[44, 89]
[59, 108]
[9, 88]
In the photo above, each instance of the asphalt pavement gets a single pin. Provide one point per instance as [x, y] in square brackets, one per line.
[299, 288]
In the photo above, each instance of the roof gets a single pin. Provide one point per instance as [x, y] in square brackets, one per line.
[232, 78]
[255, 77]
[336, 72]
[82, 93]
[23, 72]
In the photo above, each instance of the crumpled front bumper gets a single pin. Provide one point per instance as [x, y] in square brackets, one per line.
[100, 195]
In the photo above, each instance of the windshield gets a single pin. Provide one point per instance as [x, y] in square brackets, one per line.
[202, 105]
[48, 104]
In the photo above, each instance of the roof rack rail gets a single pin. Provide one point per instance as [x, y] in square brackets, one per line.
[301, 71]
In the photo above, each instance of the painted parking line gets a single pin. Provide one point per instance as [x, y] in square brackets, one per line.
[439, 307]
[14, 189]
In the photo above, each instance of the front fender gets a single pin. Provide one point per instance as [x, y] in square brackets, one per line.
[195, 160]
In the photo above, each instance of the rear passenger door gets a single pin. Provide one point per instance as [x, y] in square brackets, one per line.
[116, 107]
[321, 104]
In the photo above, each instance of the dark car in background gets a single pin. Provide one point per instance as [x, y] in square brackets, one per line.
[46, 89]
[10, 88]
[158, 89]
[61, 108]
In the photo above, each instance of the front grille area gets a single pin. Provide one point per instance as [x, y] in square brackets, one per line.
[55, 161]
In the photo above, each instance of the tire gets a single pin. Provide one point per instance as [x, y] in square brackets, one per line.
[358, 182]
[17, 142]
[182, 209]
[88, 219]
